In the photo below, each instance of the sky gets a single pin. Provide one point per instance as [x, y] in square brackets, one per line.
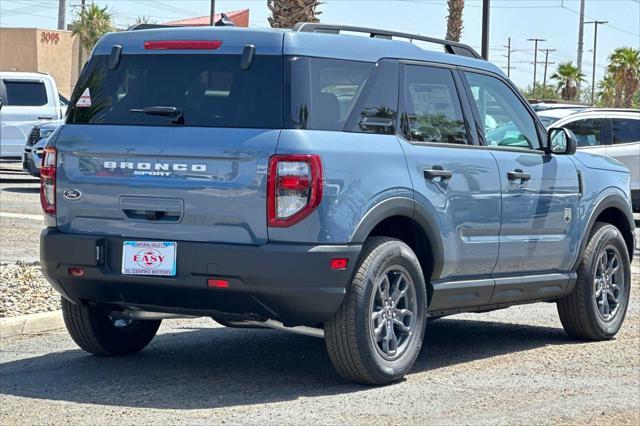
[553, 20]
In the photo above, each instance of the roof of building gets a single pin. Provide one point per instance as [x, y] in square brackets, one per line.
[239, 17]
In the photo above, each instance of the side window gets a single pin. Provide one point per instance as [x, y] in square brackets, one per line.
[376, 110]
[588, 131]
[625, 130]
[505, 120]
[25, 93]
[324, 91]
[431, 107]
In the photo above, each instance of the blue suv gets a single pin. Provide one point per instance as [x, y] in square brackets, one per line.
[324, 183]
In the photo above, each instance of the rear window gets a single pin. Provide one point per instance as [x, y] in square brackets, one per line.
[625, 130]
[25, 93]
[207, 90]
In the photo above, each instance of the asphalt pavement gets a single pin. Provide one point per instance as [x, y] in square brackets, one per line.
[513, 366]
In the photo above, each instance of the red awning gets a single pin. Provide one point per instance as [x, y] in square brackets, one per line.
[239, 17]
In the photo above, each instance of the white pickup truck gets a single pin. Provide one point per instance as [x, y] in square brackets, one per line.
[25, 98]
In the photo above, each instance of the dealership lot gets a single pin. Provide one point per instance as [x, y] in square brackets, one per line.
[509, 366]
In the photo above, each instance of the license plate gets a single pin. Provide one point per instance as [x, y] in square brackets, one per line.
[149, 258]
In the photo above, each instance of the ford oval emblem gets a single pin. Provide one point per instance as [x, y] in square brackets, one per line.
[72, 194]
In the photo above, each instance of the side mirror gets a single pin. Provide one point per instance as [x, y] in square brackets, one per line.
[561, 141]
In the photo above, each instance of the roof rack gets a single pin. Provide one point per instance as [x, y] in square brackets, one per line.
[451, 47]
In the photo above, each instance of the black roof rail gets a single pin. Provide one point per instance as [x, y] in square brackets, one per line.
[451, 47]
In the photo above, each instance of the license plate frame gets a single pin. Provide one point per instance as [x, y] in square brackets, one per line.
[149, 258]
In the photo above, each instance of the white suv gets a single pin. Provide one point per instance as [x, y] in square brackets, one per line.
[611, 132]
[25, 98]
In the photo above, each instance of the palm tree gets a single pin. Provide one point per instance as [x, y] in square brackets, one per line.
[568, 77]
[287, 13]
[607, 91]
[454, 19]
[92, 23]
[624, 68]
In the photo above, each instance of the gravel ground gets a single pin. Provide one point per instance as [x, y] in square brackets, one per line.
[23, 290]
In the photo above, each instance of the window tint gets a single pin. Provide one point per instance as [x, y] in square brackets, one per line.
[209, 90]
[505, 120]
[432, 111]
[324, 91]
[625, 130]
[375, 111]
[25, 93]
[588, 131]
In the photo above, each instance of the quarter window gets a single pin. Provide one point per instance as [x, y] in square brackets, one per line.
[432, 111]
[625, 130]
[505, 120]
[588, 131]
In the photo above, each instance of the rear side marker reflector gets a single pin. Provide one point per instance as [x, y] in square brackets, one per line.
[76, 272]
[182, 44]
[216, 283]
[339, 263]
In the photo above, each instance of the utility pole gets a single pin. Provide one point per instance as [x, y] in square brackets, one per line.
[508, 56]
[535, 62]
[546, 63]
[485, 29]
[62, 12]
[213, 13]
[580, 39]
[595, 43]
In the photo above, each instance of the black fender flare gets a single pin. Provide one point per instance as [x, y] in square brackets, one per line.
[613, 200]
[407, 207]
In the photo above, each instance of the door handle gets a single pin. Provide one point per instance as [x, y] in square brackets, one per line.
[437, 172]
[518, 174]
[45, 117]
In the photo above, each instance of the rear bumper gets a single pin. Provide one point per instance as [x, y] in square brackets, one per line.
[290, 283]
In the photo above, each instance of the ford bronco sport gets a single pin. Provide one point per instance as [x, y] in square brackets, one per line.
[328, 184]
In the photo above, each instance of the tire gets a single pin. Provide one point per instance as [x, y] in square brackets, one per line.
[94, 331]
[581, 315]
[356, 353]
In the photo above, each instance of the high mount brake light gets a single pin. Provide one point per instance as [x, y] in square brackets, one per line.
[182, 44]
[294, 188]
[48, 181]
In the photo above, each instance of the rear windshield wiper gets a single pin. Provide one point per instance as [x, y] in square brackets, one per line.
[166, 111]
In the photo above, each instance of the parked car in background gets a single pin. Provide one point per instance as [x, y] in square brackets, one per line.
[32, 155]
[611, 132]
[26, 98]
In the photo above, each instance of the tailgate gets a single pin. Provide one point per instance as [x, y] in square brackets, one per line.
[167, 183]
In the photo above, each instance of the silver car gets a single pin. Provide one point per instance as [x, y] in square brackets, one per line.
[611, 132]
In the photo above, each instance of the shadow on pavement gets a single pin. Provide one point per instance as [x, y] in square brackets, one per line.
[22, 190]
[209, 368]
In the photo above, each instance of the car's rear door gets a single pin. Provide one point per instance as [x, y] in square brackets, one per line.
[195, 173]
[625, 146]
[454, 181]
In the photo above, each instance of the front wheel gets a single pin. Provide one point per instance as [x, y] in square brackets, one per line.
[376, 335]
[99, 333]
[596, 307]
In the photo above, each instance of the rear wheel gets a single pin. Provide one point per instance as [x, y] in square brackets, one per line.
[376, 335]
[98, 332]
[596, 308]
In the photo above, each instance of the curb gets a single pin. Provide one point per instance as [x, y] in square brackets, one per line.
[31, 324]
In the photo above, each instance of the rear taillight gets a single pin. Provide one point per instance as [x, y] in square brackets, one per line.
[294, 188]
[48, 181]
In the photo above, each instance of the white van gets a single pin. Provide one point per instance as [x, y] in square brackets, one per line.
[25, 98]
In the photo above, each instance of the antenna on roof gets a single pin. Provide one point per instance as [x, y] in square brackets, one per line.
[224, 21]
